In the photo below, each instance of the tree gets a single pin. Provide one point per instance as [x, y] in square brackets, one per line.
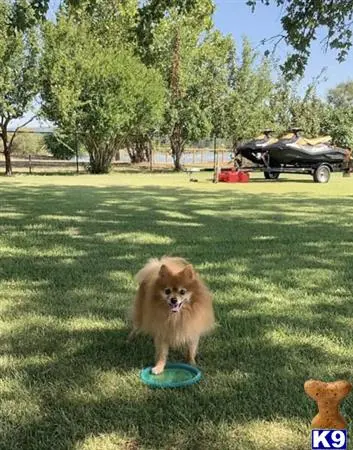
[341, 96]
[113, 23]
[339, 118]
[152, 13]
[101, 93]
[19, 69]
[215, 58]
[288, 108]
[309, 112]
[28, 143]
[63, 147]
[110, 22]
[148, 116]
[338, 124]
[282, 103]
[248, 102]
[301, 21]
[187, 52]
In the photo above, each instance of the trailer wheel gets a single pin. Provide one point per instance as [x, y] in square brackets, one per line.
[271, 175]
[322, 174]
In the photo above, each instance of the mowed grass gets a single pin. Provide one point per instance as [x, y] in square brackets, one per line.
[278, 257]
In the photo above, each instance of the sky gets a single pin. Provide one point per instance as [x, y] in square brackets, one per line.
[236, 17]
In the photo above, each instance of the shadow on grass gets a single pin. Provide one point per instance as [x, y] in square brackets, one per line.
[69, 254]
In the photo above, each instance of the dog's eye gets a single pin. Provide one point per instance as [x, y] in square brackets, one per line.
[167, 291]
[182, 291]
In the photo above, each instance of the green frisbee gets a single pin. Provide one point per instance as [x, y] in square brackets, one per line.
[173, 376]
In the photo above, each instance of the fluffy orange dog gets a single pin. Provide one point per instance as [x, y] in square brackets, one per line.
[173, 306]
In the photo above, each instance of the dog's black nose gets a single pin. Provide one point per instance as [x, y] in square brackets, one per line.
[173, 301]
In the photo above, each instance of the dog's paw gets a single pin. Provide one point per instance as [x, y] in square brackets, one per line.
[157, 370]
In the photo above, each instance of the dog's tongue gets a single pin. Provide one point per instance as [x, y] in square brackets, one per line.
[176, 308]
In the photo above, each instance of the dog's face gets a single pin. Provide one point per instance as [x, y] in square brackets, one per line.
[176, 289]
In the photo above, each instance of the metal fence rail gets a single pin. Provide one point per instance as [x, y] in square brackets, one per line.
[160, 159]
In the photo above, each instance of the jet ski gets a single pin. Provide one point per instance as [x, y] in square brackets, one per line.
[255, 149]
[296, 150]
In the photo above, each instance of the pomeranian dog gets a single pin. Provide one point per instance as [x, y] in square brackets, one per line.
[173, 306]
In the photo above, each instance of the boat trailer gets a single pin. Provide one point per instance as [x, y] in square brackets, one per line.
[321, 172]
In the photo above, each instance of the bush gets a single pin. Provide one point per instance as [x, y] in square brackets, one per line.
[60, 151]
[26, 144]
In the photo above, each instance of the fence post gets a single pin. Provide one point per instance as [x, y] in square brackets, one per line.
[215, 159]
[30, 163]
[77, 146]
[151, 159]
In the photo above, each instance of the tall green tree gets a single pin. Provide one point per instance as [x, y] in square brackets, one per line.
[152, 13]
[111, 22]
[338, 124]
[28, 143]
[309, 112]
[282, 103]
[301, 21]
[19, 68]
[215, 59]
[339, 118]
[191, 57]
[114, 24]
[341, 96]
[289, 108]
[248, 102]
[99, 93]
[62, 147]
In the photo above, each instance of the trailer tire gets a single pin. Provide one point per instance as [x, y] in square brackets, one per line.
[271, 175]
[322, 174]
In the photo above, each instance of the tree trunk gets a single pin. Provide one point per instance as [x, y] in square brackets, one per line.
[177, 163]
[176, 141]
[140, 150]
[235, 144]
[99, 164]
[148, 150]
[6, 148]
[8, 164]
[100, 157]
[238, 160]
[177, 146]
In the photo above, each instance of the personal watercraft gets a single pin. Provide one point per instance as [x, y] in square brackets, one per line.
[254, 149]
[294, 149]
[293, 153]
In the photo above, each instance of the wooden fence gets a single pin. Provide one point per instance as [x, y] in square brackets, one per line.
[160, 159]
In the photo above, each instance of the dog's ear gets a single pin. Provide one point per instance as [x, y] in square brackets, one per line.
[163, 271]
[188, 272]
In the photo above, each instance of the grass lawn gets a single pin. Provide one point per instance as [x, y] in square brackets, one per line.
[278, 257]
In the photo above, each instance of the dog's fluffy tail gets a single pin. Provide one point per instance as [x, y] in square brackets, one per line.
[151, 269]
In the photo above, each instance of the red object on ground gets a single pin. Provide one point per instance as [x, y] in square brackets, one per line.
[243, 177]
[232, 176]
[228, 177]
